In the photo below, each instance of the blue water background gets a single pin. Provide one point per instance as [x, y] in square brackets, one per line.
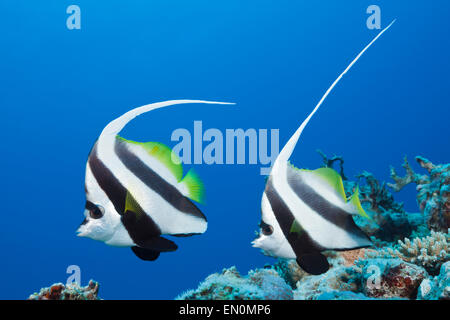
[275, 59]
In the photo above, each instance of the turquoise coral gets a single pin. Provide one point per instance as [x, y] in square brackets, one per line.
[337, 279]
[437, 288]
[433, 191]
[259, 284]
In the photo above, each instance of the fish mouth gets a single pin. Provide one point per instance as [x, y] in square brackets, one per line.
[256, 243]
[81, 232]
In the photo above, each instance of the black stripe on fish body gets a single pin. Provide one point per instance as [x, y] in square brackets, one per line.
[112, 187]
[323, 207]
[154, 181]
[140, 227]
[301, 243]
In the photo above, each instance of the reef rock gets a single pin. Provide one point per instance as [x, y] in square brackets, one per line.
[289, 270]
[390, 278]
[58, 291]
[259, 284]
[336, 279]
[437, 288]
[342, 295]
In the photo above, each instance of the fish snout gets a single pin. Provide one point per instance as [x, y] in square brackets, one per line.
[256, 243]
[81, 231]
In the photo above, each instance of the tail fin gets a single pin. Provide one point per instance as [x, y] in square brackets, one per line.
[115, 126]
[287, 150]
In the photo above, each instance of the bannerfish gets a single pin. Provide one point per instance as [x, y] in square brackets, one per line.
[305, 212]
[136, 192]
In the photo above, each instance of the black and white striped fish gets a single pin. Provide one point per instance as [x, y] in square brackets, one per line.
[136, 192]
[305, 212]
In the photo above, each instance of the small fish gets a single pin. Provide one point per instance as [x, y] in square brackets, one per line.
[305, 212]
[136, 192]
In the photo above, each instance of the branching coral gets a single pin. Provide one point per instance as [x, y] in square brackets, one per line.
[410, 177]
[429, 252]
[376, 195]
[328, 162]
[389, 220]
[433, 191]
[59, 291]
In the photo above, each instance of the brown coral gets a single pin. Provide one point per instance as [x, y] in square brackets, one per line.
[73, 291]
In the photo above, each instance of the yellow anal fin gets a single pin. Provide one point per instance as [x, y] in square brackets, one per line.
[356, 204]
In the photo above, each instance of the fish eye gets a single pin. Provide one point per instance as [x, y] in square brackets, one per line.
[266, 229]
[95, 211]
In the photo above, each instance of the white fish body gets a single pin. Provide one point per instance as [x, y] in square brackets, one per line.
[136, 192]
[305, 212]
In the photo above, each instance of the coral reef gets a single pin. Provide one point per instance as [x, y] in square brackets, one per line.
[354, 276]
[389, 221]
[433, 191]
[437, 288]
[390, 278]
[259, 284]
[429, 252]
[376, 195]
[58, 291]
[289, 270]
[337, 279]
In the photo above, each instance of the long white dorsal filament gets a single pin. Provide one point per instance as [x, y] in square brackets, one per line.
[115, 126]
[287, 150]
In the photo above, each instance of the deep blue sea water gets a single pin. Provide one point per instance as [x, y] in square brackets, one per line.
[275, 59]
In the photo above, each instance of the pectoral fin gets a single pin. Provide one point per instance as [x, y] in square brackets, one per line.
[145, 254]
[313, 263]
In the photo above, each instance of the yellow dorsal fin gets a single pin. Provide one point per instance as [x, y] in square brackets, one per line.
[333, 179]
[163, 154]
